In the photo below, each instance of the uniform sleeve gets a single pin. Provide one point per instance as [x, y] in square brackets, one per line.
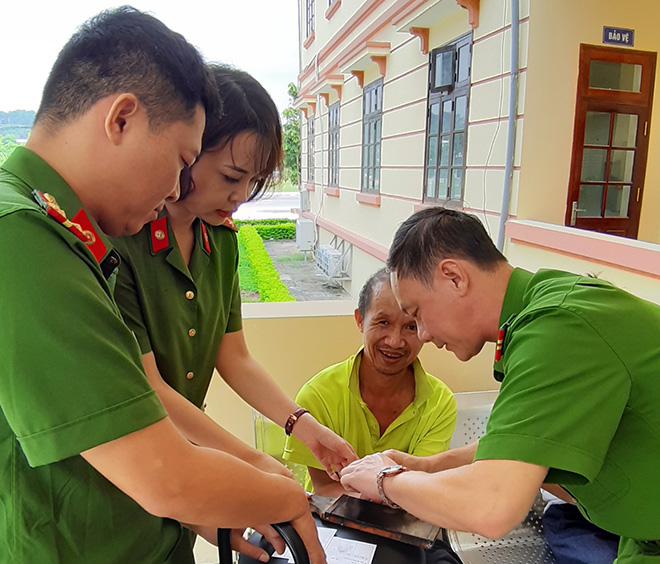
[71, 376]
[128, 300]
[235, 319]
[561, 400]
[441, 426]
[295, 450]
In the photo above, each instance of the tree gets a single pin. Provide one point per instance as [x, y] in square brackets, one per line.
[7, 145]
[291, 138]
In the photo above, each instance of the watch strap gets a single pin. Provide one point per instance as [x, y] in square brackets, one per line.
[384, 473]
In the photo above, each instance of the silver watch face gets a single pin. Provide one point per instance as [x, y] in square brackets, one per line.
[390, 470]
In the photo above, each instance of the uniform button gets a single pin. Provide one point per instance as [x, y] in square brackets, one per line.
[190, 295]
[190, 375]
[159, 234]
[113, 261]
[191, 332]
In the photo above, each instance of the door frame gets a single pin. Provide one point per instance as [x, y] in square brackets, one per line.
[594, 99]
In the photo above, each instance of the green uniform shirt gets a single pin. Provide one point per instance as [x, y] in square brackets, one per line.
[71, 379]
[580, 393]
[333, 397]
[180, 313]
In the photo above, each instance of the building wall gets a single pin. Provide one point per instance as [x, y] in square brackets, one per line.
[405, 92]
[557, 29]
[550, 38]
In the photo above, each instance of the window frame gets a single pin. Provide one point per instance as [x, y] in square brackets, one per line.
[371, 148]
[311, 156]
[441, 95]
[309, 17]
[333, 144]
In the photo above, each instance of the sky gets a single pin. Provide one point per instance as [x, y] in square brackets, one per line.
[258, 36]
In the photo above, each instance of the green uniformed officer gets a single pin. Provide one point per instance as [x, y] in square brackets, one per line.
[92, 468]
[178, 284]
[578, 360]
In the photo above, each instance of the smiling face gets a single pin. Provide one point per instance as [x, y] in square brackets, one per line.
[442, 311]
[223, 179]
[389, 336]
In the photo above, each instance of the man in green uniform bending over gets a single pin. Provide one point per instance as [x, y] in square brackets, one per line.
[92, 469]
[579, 363]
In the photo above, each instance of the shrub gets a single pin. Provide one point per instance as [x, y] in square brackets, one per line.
[272, 228]
[269, 285]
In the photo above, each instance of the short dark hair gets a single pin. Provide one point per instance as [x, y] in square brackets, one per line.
[125, 50]
[248, 108]
[367, 291]
[434, 234]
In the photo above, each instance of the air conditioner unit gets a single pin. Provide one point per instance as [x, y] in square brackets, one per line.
[328, 259]
[305, 234]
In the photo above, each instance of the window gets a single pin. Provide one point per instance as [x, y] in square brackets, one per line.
[446, 125]
[310, 149]
[371, 134]
[610, 139]
[309, 20]
[333, 145]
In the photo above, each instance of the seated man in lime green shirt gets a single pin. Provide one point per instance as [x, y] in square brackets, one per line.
[380, 398]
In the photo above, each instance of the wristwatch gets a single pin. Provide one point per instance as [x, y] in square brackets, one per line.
[385, 472]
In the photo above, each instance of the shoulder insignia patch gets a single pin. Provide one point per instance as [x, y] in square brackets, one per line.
[158, 231]
[81, 226]
[205, 238]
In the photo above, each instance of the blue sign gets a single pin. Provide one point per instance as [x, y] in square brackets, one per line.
[619, 36]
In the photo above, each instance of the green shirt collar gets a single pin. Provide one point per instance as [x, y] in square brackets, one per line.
[513, 304]
[38, 174]
[515, 290]
[423, 390]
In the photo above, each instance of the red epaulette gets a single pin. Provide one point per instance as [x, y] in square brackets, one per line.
[159, 238]
[81, 226]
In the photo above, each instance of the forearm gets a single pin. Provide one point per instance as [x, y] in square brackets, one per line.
[453, 458]
[234, 494]
[199, 428]
[170, 477]
[257, 388]
[468, 498]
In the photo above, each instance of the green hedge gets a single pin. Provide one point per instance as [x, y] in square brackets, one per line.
[269, 285]
[281, 231]
[272, 228]
[240, 222]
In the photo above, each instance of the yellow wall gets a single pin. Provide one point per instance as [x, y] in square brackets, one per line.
[295, 347]
[556, 30]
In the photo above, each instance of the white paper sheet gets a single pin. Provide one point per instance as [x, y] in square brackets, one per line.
[325, 537]
[345, 551]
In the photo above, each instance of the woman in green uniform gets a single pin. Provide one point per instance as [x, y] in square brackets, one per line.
[178, 283]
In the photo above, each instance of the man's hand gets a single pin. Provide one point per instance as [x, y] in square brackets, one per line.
[306, 529]
[333, 452]
[241, 545]
[408, 460]
[360, 476]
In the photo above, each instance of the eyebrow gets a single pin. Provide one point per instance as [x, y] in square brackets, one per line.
[236, 168]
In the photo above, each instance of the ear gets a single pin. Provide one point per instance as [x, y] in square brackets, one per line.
[359, 320]
[453, 272]
[122, 112]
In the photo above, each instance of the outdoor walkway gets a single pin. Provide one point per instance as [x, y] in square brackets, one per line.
[301, 277]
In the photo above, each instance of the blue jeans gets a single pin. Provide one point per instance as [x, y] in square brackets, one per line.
[574, 540]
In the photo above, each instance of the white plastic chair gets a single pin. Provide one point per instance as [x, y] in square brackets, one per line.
[526, 543]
